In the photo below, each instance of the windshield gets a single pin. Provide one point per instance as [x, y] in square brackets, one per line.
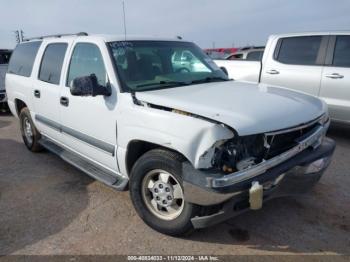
[150, 65]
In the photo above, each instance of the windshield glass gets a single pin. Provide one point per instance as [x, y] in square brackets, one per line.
[150, 65]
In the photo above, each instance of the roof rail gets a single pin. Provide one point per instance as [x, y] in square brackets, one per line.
[58, 36]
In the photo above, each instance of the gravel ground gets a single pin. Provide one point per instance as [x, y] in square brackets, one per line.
[49, 207]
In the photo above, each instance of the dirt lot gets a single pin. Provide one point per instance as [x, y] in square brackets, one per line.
[49, 207]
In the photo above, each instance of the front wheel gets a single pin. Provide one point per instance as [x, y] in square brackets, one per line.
[157, 193]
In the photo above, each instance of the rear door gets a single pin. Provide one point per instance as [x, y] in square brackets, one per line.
[335, 85]
[46, 88]
[296, 63]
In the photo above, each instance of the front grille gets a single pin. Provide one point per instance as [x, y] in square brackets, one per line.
[280, 143]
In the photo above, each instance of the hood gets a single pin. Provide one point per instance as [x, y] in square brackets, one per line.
[247, 108]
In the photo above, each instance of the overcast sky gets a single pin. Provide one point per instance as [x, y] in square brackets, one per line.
[225, 22]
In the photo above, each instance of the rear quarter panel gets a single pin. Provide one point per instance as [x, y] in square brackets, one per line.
[18, 87]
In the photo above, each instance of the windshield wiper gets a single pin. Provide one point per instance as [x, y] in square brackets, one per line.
[209, 79]
[180, 83]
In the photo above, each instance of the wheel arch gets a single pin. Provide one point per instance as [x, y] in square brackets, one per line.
[19, 105]
[136, 148]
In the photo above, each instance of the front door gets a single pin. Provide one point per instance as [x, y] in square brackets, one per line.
[296, 63]
[88, 123]
[335, 85]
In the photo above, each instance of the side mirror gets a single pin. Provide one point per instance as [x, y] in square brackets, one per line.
[88, 86]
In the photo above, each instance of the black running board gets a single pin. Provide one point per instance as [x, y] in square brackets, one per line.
[101, 174]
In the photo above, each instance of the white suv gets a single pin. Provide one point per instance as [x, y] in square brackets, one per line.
[193, 147]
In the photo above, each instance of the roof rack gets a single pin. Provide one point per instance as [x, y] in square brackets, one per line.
[58, 36]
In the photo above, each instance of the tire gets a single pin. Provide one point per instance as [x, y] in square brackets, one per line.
[26, 124]
[176, 224]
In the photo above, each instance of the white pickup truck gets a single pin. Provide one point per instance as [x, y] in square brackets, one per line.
[193, 147]
[5, 55]
[314, 63]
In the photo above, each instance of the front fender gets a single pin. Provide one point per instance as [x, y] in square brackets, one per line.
[191, 136]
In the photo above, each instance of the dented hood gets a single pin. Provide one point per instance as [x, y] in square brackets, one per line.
[248, 108]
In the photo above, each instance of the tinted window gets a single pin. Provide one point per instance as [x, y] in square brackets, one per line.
[51, 63]
[235, 57]
[4, 57]
[299, 50]
[22, 60]
[342, 51]
[86, 60]
[255, 56]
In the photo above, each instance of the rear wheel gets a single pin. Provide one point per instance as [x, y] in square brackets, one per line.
[30, 134]
[157, 193]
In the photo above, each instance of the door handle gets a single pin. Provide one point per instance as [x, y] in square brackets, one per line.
[37, 93]
[272, 72]
[334, 76]
[64, 101]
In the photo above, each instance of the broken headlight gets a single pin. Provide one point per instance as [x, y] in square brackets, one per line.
[239, 153]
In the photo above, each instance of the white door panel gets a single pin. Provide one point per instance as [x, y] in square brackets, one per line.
[295, 63]
[302, 78]
[88, 123]
[47, 84]
[335, 90]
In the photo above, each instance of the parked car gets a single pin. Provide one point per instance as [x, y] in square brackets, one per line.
[314, 63]
[192, 147]
[185, 61]
[248, 53]
[5, 55]
[216, 55]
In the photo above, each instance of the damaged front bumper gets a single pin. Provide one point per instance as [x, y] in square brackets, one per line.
[293, 172]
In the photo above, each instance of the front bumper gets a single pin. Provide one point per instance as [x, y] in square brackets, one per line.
[293, 176]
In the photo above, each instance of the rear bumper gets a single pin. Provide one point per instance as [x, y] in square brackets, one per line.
[294, 176]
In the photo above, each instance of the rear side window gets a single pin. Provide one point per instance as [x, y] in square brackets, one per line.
[301, 50]
[4, 57]
[51, 63]
[341, 56]
[22, 60]
[255, 56]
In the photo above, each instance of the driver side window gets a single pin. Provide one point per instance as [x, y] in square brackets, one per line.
[86, 60]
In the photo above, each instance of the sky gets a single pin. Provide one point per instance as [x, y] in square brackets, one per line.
[219, 23]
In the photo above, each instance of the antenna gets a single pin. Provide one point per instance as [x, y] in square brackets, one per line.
[124, 20]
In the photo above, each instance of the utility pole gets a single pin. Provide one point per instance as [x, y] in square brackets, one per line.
[19, 35]
[22, 35]
[18, 38]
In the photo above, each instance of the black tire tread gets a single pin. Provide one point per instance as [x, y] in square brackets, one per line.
[35, 147]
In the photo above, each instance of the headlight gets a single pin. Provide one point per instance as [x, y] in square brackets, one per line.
[325, 119]
[239, 153]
